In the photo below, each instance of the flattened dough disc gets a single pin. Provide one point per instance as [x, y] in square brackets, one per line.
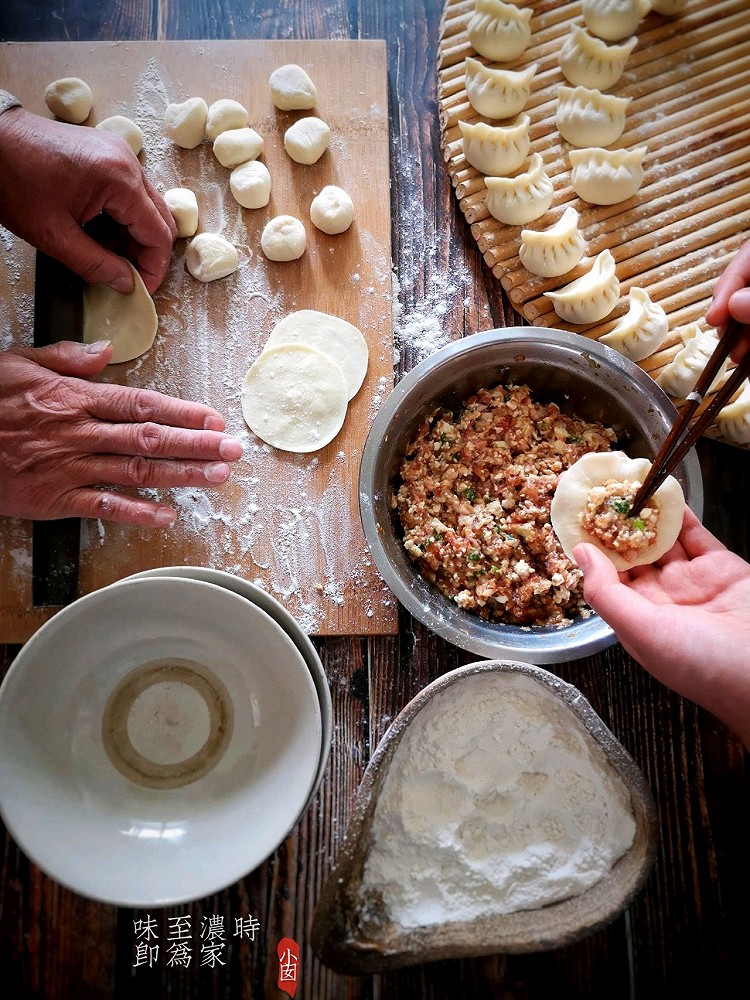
[129, 321]
[294, 398]
[340, 341]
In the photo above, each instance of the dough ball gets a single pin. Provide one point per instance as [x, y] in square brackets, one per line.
[224, 115]
[237, 146]
[185, 123]
[183, 205]
[128, 129]
[250, 184]
[307, 140]
[292, 89]
[129, 321]
[332, 211]
[210, 256]
[341, 342]
[294, 398]
[69, 99]
[284, 238]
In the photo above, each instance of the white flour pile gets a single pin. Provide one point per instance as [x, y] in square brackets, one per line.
[497, 800]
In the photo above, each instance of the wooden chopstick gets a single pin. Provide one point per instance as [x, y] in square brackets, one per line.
[682, 436]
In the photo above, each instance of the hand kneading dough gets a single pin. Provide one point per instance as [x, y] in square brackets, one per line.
[69, 99]
[341, 342]
[594, 469]
[332, 211]
[185, 123]
[292, 89]
[307, 140]
[128, 129]
[224, 115]
[251, 184]
[236, 146]
[210, 256]
[129, 321]
[284, 238]
[294, 398]
[183, 205]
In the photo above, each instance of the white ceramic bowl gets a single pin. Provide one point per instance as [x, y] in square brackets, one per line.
[274, 609]
[158, 740]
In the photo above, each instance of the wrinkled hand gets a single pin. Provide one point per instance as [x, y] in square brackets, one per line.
[731, 299]
[61, 436]
[686, 619]
[57, 177]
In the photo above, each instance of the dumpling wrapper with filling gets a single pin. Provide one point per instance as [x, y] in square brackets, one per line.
[129, 321]
[341, 342]
[594, 469]
[294, 398]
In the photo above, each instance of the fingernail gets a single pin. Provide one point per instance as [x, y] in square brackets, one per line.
[216, 472]
[230, 449]
[98, 346]
[165, 515]
[123, 284]
[581, 557]
[214, 423]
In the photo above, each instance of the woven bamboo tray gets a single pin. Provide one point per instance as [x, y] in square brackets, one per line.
[689, 80]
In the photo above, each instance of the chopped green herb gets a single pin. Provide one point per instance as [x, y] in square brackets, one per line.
[444, 439]
[496, 570]
[572, 439]
[474, 556]
[638, 524]
[621, 505]
[469, 493]
[456, 456]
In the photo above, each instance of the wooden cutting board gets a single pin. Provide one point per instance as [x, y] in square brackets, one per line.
[689, 81]
[288, 522]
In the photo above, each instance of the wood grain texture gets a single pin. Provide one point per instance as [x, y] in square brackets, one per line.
[685, 934]
[290, 522]
[688, 80]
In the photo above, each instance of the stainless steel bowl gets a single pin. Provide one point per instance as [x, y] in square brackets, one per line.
[582, 377]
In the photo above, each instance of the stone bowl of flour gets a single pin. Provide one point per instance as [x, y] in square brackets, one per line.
[497, 815]
[584, 378]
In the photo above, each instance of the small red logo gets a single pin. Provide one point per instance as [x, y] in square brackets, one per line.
[288, 951]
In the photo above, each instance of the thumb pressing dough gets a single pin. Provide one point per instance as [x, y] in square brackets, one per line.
[129, 321]
[69, 99]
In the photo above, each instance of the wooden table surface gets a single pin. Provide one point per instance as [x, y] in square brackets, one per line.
[686, 933]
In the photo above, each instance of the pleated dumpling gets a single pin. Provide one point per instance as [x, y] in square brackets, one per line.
[497, 93]
[591, 297]
[523, 198]
[587, 61]
[587, 117]
[733, 420]
[606, 176]
[683, 371]
[554, 251]
[496, 149]
[499, 31]
[642, 330]
[614, 19]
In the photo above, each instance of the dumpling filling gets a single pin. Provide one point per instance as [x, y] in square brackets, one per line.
[606, 516]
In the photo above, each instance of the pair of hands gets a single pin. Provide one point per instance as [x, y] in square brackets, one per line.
[686, 618]
[60, 433]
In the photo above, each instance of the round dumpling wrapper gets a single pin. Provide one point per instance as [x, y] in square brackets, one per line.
[341, 342]
[294, 398]
[129, 321]
[595, 469]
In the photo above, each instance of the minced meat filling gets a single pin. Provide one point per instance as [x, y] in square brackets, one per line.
[606, 517]
[475, 505]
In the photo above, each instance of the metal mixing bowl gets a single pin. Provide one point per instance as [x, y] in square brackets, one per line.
[582, 377]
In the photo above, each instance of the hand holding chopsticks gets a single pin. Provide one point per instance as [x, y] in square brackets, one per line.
[682, 436]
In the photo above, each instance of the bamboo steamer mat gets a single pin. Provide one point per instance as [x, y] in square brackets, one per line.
[290, 523]
[689, 80]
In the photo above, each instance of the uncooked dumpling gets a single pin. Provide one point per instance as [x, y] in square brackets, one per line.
[642, 330]
[523, 198]
[607, 176]
[499, 31]
[587, 61]
[497, 93]
[294, 398]
[69, 99]
[586, 117]
[614, 19]
[592, 501]
[496, 150]
[129, 321]
[340, 341]
[733, 420]
[591, 297]
[681, 374]
[554, 251]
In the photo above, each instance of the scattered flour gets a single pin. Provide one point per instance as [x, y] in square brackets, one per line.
[497, 800]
